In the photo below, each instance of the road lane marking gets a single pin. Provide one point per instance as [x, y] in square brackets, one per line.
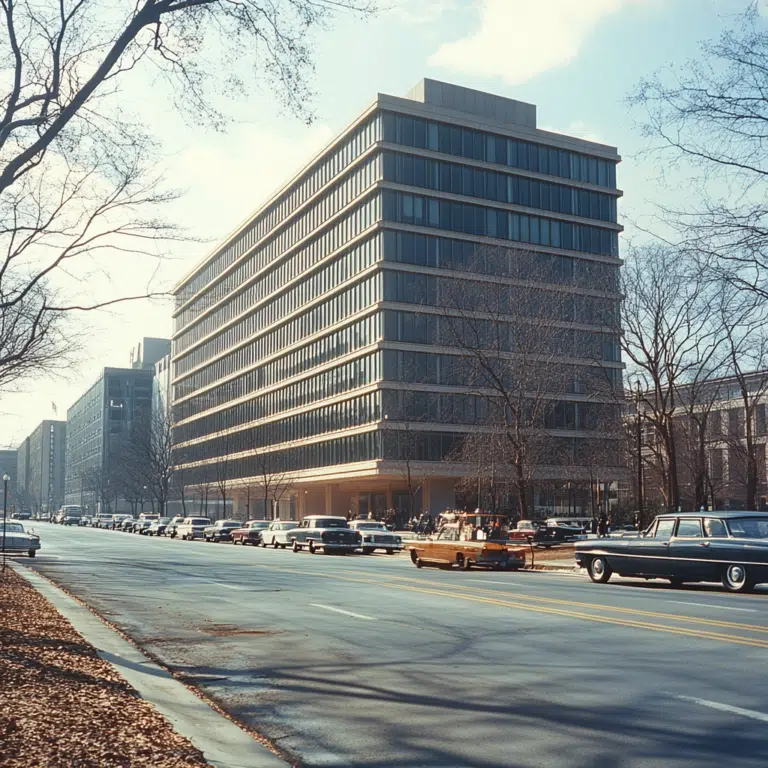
[227, 586]
[716, 607]
[682, 631]
[341, 610]
[751, 713]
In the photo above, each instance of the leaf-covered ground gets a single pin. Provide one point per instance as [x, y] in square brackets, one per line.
[61, 706]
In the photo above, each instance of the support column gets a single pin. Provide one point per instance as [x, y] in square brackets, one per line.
[328, 499]
[425, 496]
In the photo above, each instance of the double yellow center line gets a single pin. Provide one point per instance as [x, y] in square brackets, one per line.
[655, 621]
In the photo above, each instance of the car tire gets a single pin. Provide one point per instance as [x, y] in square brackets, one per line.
[312, 549]
[234, 541]
[676, 583]
[31, 553]
[295, 546]
[275, 545]
[599, 570]
[390, 551]
[736, 578]
[283, 546]
[263, 543]
[367, 551]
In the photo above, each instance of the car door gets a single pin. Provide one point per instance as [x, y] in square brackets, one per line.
[689, 551]
[650, 553]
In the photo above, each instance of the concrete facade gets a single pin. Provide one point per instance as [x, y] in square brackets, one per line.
[289, 339]
[42, 469]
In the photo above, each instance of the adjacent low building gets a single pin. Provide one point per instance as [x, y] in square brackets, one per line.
[295, 339]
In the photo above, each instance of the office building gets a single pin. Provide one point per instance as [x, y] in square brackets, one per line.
[9, 466]
[294, 337]
[101, 426]
[42, 458]
[149, 351]
[161, 389]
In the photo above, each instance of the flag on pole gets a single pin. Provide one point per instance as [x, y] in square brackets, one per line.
[54, 408]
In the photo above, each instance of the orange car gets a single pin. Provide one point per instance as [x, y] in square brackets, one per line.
[454, 545]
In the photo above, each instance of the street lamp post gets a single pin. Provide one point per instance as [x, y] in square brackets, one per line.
[5, 513]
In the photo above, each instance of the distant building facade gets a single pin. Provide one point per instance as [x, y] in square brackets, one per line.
[161, 387]
[294, 338]
[149, 351]
[100, 425]
[42, 466]
[9, 466]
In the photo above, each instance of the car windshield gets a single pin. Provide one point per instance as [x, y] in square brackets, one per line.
[200, 521]
[163, 520]
[749, 527]
[329, 522]
[260, 524]
[231, 524]
[371, 527]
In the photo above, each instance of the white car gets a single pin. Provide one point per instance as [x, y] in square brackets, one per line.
[17, 540]
[376, 535]
[276, 534]
[192, 528]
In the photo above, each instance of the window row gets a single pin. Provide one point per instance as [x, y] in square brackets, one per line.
[491, 148]
[344, 415]
[522, 264]
[323, 453]
[498, 298]
[310, 219]
[456, 371]
[343, 304]
[499, 187]
[491, 222]
[453, 408]
[330, 347]
[352, 375]
[320, 246]
[422, 328]
[274, 309]
[315, 179]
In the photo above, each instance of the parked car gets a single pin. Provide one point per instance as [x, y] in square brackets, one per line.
[220, 530]
[250, 533]
[157, 527]
[22, 514]
[17, 540]
[44, 517]
[141, 526]
[117, 521]
[322, 532]
[192, 527]
[170, 529]
[453, 545]
[84, 521]
[375, 536]
[277, 533]
[730, 547]
[127, 523]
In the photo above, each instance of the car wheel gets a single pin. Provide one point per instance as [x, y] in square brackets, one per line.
[599, 570]
[736, 579]
[367, 551]
[275, 545]
[283, 546]
[31, 552]
[676, 583]
[390, 551]
[312, 549]
[234, 541]
[295, 546]
[263, 543]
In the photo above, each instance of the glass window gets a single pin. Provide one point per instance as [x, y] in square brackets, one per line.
[714, 528]
[664, 528]
[689, 529]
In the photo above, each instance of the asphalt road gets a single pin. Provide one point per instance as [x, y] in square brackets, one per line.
[367, 661]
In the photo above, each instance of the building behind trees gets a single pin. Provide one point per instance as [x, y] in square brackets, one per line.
[322, 340]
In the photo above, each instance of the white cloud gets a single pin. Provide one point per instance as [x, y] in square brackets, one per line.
[580, 130]
[518, 39]
[423, 12]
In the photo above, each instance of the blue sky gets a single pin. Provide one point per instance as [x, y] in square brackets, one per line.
[575, 59]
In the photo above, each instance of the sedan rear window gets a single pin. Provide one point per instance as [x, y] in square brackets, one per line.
[199, 521]
[749, 527]
[689, 529]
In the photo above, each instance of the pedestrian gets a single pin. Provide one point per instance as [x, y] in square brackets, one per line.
[602, 525]
[594, 525]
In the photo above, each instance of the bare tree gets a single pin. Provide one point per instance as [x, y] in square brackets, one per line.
[77, 178]
[515, 334]
[709, 117]
[670, 337]
[747, 361]
[272, 481]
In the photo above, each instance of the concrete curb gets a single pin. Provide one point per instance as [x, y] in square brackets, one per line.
[553, 567]
[222, 742]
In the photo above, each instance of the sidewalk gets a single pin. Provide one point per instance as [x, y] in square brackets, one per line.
[70, 702]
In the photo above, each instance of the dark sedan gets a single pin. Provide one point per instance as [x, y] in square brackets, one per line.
[729, 547]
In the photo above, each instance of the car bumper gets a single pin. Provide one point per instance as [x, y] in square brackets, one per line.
[340, 545]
